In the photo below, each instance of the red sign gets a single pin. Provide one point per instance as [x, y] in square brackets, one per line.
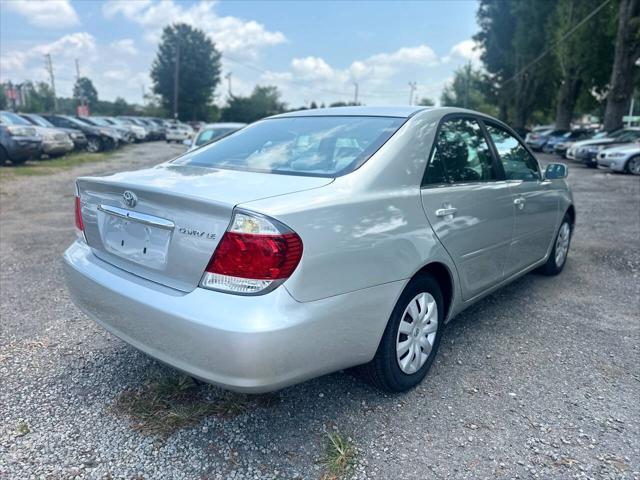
[83, 110]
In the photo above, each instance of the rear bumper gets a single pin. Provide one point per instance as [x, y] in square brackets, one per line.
[243, 343]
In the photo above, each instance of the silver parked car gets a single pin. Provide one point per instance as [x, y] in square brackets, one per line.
[316, 240]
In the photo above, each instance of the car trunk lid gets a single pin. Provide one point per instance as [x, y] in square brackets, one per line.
[164, 223]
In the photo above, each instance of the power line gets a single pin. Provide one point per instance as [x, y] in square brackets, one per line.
[560, 40]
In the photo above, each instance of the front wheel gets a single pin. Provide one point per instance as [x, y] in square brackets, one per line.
[558, 257]
[633, 165]
[411, 338]
[94, 144]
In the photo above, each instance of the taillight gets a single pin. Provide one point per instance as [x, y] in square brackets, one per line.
[79, 224]
[255, 255]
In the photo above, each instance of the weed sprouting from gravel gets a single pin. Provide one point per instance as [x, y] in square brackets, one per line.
[339, 456]
[169, 403]
[23, 429]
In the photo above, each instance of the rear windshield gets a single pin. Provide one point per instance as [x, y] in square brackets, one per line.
[313, 146]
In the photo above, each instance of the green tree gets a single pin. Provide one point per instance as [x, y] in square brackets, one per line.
[198, 71]
[85, 92]
[3, 98]
[513, 35]
[40, 98]
[467, 91]
[426, 102]
[584, 57]
[625, 74]
[262, 102]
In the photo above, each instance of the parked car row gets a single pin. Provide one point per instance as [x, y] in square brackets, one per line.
[25, 136]
[618, 150]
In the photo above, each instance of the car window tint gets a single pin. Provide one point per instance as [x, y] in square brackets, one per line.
[517, 162]
[460, 154]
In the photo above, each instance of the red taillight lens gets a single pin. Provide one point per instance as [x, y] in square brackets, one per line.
[79, 224]
[257, 257]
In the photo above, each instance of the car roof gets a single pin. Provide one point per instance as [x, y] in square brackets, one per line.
[402, 111]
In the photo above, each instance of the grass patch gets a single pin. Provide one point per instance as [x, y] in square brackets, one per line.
[46, 167]
[339, 456]
[169, 403]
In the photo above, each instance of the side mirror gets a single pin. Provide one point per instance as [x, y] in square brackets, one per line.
[555, 171]
[187, 142]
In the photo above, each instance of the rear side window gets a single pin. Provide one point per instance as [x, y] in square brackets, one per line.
[315, 146]
[460, 154]
[211, 134]
[517, 162]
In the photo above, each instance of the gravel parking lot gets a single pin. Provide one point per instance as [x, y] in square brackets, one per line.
[540, 380]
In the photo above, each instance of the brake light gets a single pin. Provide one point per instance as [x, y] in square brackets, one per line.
[255, 255]
[79, 224]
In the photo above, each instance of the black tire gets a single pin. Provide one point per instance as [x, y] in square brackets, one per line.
[4, 156]
[630, 167]
[384, 371]
[551, 267]
[94, 144]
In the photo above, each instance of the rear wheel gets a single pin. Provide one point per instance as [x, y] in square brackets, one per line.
[411, 338]
[94, 144]
[558, 257]
[633, 165]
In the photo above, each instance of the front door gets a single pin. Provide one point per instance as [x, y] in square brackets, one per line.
[469, 204]
[535, 200]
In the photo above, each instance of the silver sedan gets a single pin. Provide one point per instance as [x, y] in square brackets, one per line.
[314, 241]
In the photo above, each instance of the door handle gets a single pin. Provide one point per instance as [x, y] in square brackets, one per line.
[519, 202]
[443, 212]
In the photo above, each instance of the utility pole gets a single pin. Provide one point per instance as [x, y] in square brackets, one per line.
[228, 77]
[49, 66]
[355, 96]
[81, 92]
[412, 89]
[176, 82]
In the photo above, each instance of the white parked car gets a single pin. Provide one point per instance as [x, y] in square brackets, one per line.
[213, 132]
[178, 132]
[623, 158]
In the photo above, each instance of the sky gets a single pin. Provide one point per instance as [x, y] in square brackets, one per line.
[311, 50]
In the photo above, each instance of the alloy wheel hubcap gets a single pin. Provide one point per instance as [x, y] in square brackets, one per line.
[562, 244]
[634, 166]
[416, 333]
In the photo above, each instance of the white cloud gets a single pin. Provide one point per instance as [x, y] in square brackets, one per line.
[45, 13]
[232, 35]
[125, 46]
[468, 50]
[378, 76]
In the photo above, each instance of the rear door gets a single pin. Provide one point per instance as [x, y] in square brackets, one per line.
[536, 201]
[468, 203]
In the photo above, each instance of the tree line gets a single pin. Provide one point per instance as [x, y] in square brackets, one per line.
[553, 61]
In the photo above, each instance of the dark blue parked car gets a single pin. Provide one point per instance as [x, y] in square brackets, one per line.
[538, 140]
[18, 142]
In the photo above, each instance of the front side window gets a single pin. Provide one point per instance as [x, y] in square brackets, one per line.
[460, 154]
[517, 162]
[315, 146]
